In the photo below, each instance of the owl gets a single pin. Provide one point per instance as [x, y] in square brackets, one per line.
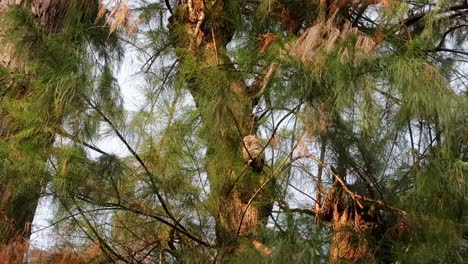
[253, 153]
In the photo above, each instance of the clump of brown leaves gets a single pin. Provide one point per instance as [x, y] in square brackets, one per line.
[90, 255]
[323, 37]
[118, 15]
[17, 251]
[13, 252]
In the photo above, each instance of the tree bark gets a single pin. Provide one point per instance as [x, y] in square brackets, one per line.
[352, 239]
[354, 228]
[201, 33]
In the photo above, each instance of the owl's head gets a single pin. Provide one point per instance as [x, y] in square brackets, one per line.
[250, 139]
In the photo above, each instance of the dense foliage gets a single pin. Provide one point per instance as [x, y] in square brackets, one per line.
[271, 130]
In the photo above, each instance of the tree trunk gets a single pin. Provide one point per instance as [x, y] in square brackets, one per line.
[14, 220]
[201, 33]
[354, 227]
[351, 240]
[17, 208]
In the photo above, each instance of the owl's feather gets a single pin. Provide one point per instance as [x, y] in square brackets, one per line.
[253, 153]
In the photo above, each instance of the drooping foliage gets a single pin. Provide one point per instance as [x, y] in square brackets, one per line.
[359, 108]
[57, 63]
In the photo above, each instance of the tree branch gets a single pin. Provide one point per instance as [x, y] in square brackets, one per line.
[414, 19]
[150, 176]
[354, 196]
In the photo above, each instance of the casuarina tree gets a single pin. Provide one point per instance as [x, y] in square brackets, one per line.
[267, 131]
[45, 72]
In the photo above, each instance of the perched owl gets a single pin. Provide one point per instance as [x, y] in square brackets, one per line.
[252, 152]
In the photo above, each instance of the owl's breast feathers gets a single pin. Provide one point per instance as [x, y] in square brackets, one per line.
[253, 153]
